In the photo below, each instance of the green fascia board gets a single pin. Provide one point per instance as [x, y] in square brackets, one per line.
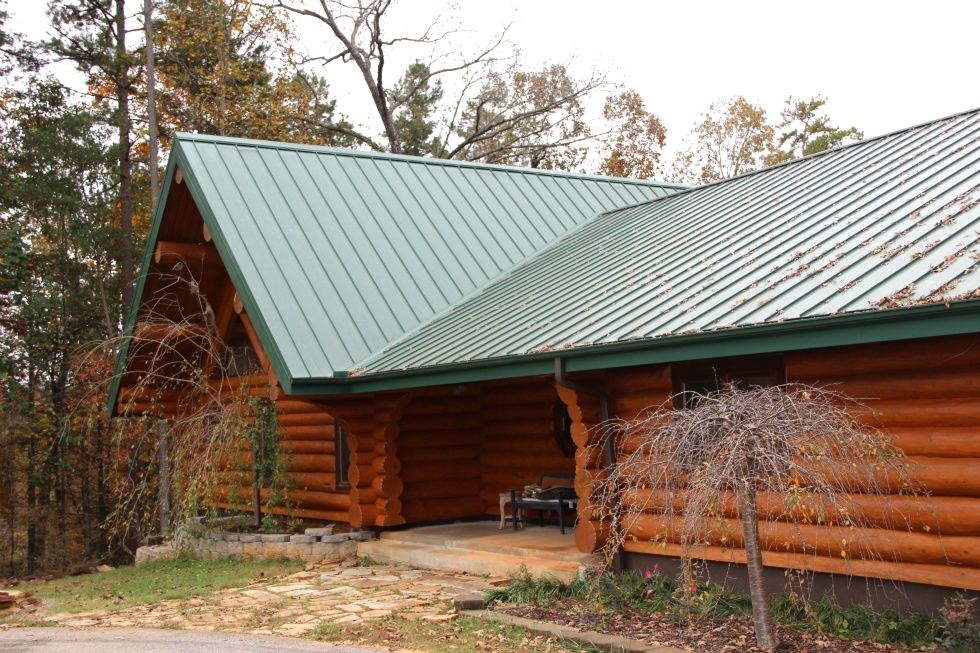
[932, 320]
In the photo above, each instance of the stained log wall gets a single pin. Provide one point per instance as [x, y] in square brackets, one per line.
[926, 395]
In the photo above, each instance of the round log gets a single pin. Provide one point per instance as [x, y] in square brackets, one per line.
[360, 443]
[651, 378]
[360, 475]
[322, 447]
[935, 413]
[319, 500]
[389, 506]
[516, 395]
[306, 419]
[591, 535]
[386, 464]
[296, 406]
[504, 428]
[362, 515]
[388, 486]
[319, 432]
[436, 422]
[362, 495]
[385, 520]
[518, 411]
[936, 383]
[409, 457]
[586, 480]
[312, 463]
[630, 406]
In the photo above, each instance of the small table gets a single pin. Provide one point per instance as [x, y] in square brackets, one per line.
[566, 500]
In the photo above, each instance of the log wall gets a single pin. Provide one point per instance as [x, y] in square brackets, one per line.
[924, 393]
[516, 422]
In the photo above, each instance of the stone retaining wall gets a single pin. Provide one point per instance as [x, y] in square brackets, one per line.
[314, 546]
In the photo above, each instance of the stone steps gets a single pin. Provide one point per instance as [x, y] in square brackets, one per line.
[481, 549]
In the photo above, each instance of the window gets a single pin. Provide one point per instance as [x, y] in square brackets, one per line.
[341, 453]
[695, 380]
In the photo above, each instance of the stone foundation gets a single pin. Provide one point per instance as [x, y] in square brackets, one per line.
[315, 546]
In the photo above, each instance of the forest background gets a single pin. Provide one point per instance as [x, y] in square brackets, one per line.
[77, 190]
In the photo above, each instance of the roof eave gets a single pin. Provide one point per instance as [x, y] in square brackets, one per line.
[871, 326]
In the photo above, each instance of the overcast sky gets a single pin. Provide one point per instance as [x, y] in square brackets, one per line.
[884, 65]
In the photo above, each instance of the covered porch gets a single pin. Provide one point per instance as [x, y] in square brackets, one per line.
[483, 548]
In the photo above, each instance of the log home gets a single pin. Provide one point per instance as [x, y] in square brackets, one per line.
[463, 328]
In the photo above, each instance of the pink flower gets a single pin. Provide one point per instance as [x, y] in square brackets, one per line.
[599, 571]
[694, 590]
[649, 592]
[656, 566]
[649, 575]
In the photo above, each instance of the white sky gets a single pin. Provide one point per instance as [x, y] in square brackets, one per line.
[884, 65]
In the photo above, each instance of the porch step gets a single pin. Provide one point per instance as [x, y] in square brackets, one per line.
[479, 548]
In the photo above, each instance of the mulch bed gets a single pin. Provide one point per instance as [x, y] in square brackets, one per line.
[702, 635]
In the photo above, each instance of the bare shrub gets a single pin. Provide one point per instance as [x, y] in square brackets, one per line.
[793, 460]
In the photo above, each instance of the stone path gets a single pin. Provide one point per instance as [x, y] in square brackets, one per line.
[296, 604]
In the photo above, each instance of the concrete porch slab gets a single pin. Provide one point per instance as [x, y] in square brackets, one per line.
[480, 548]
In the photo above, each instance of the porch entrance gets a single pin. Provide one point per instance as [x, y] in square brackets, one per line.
[483, 548]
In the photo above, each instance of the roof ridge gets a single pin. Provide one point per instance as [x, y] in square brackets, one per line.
[338, 151]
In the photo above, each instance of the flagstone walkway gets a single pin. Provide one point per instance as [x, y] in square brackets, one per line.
[296, 604]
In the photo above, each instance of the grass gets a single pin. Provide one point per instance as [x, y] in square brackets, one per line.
[606, 593]
[462, 635]
[153, 582]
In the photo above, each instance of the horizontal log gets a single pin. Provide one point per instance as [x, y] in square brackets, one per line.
[409, 457]
[544, 394]
[587, 480]
[630, 406]
[362, 495]
[440, 406]
[542, 460]
[386, 464]
[360, 475]
[385, 448]
[387, 486]
[168, 253]
[342, 516]
[942, 575]
[591, 535]
[421, 472]
[936, 383]
[321, 447]
[412, 441]
[390, 506]
[881, 358]
[439, 509]
[522, 447]
[937, 515]
[306, 419]
[363, 514]
[833, 541]
[518, 411]
[316, 482]
[296, 406]
[162, 330]
[316, 463]
[457, 488]
[234, 382]
[318, 432]
[648, 378]
[320, 500]
[144, 393]
[436, 422]
[385, 520]
[361, 443]
[521, 428]
[919, 412]
[507, 479]
[942, 442]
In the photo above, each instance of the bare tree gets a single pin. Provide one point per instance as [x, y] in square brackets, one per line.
[707, 473]
[484, 122]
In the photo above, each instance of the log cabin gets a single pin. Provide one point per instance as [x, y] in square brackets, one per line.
[435, 333]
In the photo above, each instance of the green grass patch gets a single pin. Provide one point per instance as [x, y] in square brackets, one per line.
[461, 635]
[153, 582]
[607, 593]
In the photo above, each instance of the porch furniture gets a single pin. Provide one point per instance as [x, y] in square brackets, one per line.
[505, 498]
[556, 494]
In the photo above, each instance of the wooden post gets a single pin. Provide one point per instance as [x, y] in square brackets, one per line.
[164, 498]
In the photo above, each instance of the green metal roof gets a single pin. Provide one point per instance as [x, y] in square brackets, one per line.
[336, 253]
[862, 231]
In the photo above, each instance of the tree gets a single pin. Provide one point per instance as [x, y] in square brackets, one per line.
[93, 35]
[534, 119]
[813, 133]
[216, 75]
[416, 96]
[636, 137]
[732, 138]
[706, 473]
[514, 116]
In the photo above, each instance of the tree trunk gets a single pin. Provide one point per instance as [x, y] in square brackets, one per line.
[151, 102]
[757, 583]
[126, 267]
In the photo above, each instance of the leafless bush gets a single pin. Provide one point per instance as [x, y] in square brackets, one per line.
[798, 458]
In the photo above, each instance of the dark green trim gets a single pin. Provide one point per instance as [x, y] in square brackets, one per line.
[812, 333]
